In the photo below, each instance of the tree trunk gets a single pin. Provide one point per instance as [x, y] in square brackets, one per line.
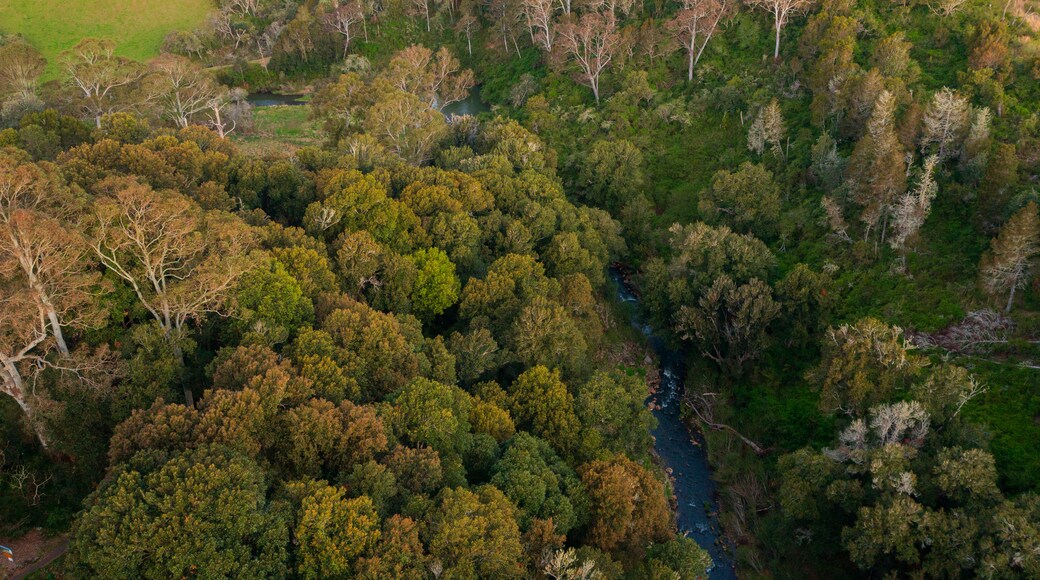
[776, 50]
[59, 337]
[12, 385]
[1011, 297]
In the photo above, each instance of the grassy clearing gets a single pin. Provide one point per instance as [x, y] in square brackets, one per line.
[138, 26]
[279, 129]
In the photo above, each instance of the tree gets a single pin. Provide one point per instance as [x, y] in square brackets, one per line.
[180, 261]
[436, 78]
[540, 402]
[913, 208]
[334, 532]
[51, 256]
[436, 286]
[693, 25]
[406, 125]
[539, 15]
[103, 81]
[627, 506]
[768, 130]
[183, 89]
[945, 122]
[591, 42]
[612, 172]
[1011, 256]
[730, 322]
[782, 11]
[538, 482]
[877, 169]
[748, 198]
[544, 334]
[20, 68]
[863, 364]
[473, 534]
[200, 511]
[343, 15]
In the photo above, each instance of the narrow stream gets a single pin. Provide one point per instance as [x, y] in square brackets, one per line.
[680, 450]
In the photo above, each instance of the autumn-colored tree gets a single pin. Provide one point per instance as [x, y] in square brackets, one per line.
[877, 169]
[334, 532]
[627, 506]
[180, 262]
[20, 68]
[781, 11]
[748, 199]
[1011, 256]
[591, 42]
[694, 25]
[51, 257]
[540, 402]
[406, 125]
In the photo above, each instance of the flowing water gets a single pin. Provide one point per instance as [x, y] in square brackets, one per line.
[680, 450]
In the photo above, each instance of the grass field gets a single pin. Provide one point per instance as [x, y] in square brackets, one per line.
[138, 26]
[277, 130]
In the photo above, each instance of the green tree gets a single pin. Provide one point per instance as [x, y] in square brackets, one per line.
[541, 403]
[748, 199]
[473, 534]
[333, 533]
[436, 286]
[201, 512]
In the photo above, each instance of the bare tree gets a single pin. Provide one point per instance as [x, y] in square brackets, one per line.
[436, 78]
[913, 208]
[539, 15]
[768, 130]
[782, 11]
[945, 121]
[467, 25]
[184, 90]
[181, 262]
[342, 18]
[693, 25]
[591, 43]
[101, 79]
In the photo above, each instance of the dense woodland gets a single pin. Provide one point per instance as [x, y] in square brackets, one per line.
[397, 355]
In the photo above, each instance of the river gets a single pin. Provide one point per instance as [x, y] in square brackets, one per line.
[680, 450]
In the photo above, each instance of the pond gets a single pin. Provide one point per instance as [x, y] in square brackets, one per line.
[471, 105]
[272, 99]
[680, 450]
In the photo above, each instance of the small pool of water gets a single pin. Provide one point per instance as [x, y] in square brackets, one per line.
[272, 99]
[471, 105]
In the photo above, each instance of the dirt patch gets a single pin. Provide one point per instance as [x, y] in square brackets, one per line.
[28, 550]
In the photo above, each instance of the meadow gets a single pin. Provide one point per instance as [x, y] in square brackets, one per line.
[137, 26]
